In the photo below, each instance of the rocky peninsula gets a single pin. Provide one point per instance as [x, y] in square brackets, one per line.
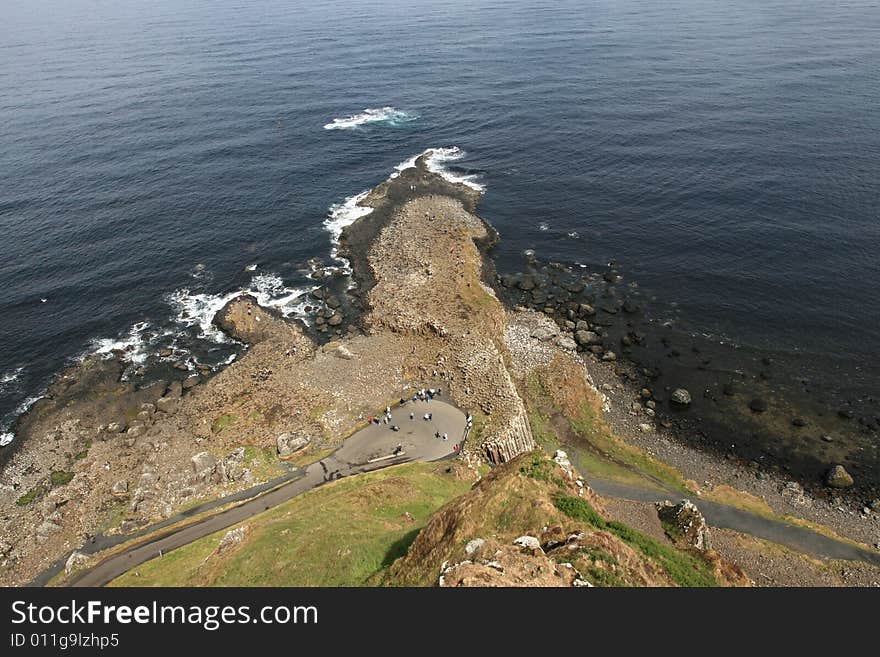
[100, 455]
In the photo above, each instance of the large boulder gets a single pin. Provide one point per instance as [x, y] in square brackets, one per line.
[204, 465]
[75, 561]
[232, 467]
[167, 404]
[838, 477]
[585, 338]
[684, 523]
[231, 538]
[290, 443]
[120, 488]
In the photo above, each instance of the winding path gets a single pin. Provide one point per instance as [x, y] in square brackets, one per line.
[371, 448]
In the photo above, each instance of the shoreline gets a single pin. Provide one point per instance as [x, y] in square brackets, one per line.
[424, 312]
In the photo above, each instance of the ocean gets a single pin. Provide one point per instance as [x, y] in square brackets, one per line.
[156, 158]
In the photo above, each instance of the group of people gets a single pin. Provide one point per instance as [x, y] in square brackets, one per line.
[426, 394]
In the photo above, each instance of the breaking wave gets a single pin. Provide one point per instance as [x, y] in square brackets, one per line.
[390, 116]
[436, 162]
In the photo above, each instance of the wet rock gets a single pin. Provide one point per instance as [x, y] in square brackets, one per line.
[644, 393]
[828, 439]
[526, 283]
[165, 352]
[586, 309]
[758, 405]
[191, 382]
[838, 477]
[335, 320]
[729, 389]
[630, 306]
[289, 443]
[799, 422]
[609, 357]
[680, 397]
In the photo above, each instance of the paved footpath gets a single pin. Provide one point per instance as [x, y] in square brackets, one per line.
[371, 448]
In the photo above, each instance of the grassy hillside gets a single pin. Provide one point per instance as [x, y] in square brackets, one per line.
[533, 496]
[341, 534]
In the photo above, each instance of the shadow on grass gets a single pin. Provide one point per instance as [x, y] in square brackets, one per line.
[399, 547]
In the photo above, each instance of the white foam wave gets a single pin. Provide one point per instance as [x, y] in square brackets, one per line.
[271, 292]
[341, 215]
[543, 226]
[7, 436]
[9, 378]
[133, 345]
[388, 115]
[197, 310]
[436, 162]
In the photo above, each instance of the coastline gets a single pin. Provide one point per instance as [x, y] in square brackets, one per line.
[424, 314]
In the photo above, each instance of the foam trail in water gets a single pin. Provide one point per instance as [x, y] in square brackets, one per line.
[390, 116]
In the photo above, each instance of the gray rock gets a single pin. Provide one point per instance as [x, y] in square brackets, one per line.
[120, 488]
[838, 477]
[543, 334]
[335, 320]
[609, 356]
[231, 538]
[204, 464]
[528, 542]
[167, 404]
[566, 343]
[289, 443]
[114, 427]
[474, 546]
[48, 527]
[685, 523]
[794, 494]
[680, 397]
[75, 561]
[191, 381]
[136, 430]
[585, 338]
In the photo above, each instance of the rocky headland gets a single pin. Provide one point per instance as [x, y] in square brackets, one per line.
[103, 455]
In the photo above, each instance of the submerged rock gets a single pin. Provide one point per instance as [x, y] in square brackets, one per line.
[758, 405]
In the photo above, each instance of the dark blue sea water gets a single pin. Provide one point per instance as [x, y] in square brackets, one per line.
[725, 153]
